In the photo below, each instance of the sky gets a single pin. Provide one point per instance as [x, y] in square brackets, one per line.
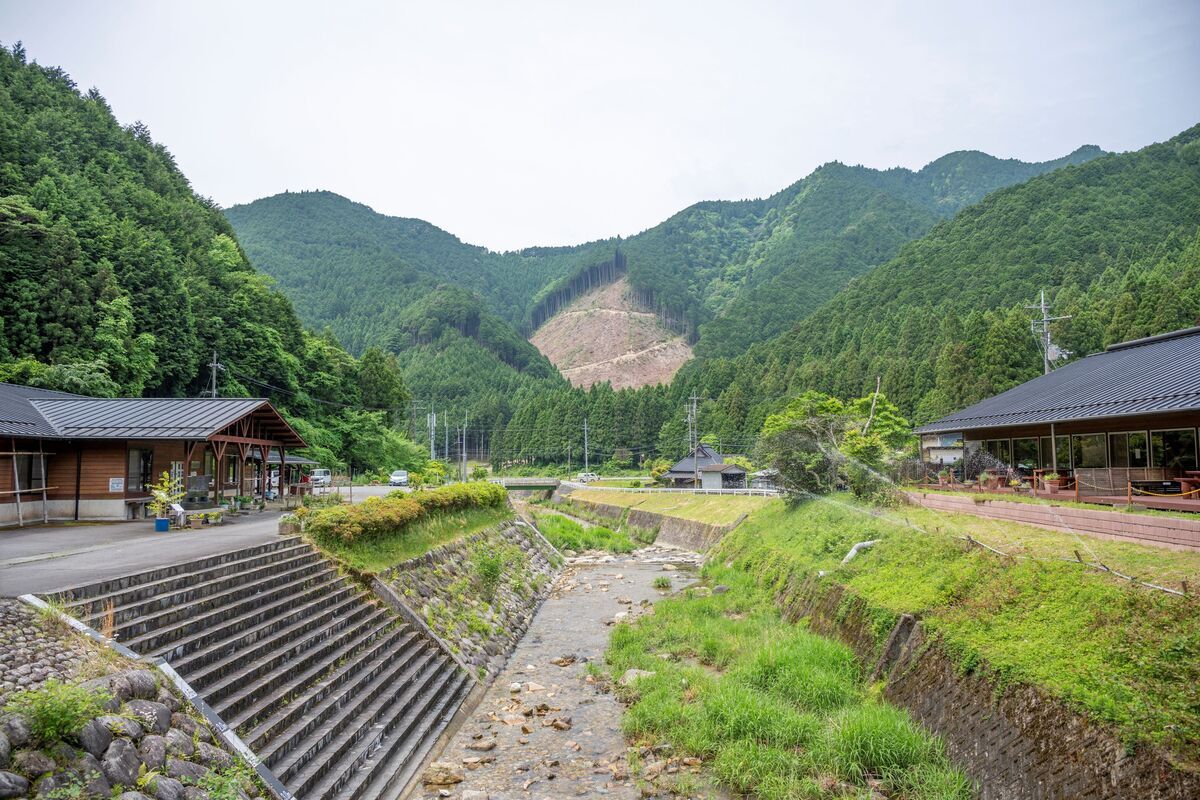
[515, 123]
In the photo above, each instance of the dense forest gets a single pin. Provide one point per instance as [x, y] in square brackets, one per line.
[117, 279]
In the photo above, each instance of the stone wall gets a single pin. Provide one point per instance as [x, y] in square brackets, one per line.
[479, 611]
[673, 531]
[142, 745]
[1018, 744]
[1173, 532]
[30, 654]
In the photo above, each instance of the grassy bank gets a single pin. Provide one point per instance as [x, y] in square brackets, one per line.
[1065, 500]
[380, 552]
[771, 708]
[567, 534]
[1122, 654]
[718, 509]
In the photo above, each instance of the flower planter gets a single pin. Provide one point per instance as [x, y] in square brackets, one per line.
[1053, 486]
[195, 522]
[162, 525]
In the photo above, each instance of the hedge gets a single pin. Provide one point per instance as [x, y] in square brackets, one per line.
[377, 516]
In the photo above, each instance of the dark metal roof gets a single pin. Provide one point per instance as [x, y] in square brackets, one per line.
[703, 455]
[57, 415]
[18, 417]
[1159, 374]
[292, 458]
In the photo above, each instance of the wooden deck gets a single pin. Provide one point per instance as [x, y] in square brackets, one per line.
[1158, 503]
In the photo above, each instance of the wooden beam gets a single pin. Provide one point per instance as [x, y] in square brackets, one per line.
[244, 440]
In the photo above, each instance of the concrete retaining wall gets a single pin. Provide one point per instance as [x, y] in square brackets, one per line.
[673, 531]
[1163, 531]
[1021, 744]
[444, 587]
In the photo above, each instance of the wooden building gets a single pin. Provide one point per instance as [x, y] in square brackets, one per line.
[68, 457]
[1118, 423]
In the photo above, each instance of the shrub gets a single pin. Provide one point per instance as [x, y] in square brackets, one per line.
[489, 567]
[379, 516]
[57, 709]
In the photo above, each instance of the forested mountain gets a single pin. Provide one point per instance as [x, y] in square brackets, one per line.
[116, 278]
[944, 324]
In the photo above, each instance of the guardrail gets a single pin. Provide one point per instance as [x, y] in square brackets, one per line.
[743, 492]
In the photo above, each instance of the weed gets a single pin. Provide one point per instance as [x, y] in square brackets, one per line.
[57, 709]
[662, 582]
[567, 534]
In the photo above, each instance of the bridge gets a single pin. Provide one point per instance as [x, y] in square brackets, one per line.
[528, 484]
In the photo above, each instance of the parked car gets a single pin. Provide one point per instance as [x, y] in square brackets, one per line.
[320, 477]
[588, 477]
[398, 478]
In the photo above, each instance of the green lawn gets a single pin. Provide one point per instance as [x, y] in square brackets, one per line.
[771, 708]
[1122, 654]
[379, 553]
[718, 509]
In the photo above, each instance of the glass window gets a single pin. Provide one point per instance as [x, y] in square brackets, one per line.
[1174, 449]
[1025, 454]
[1127, 449]
[999, 450]
[29, 472]
[1139, 455]
[138, 476]
[1063, 453]
[1089, 450]
[1118, 449]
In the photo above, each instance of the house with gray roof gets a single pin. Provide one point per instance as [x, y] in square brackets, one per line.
[1119, 423]
[705, 468]
[68, 457]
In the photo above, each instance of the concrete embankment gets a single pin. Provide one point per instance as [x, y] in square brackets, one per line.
[687, 534]
[1015, 742]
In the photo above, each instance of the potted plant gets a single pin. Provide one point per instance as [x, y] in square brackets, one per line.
[1053, 481]
[943, 477]
[164, 494]
[213, 518]
[195, 520]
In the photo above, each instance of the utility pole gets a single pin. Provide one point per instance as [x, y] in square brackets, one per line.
[431, 418]
[463, 448]
[585, 444]
[214, 366]
[1041, 330]
[446, 437]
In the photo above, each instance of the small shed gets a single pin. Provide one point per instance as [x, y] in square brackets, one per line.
[722, 476]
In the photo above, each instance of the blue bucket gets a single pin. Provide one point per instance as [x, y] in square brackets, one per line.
[162, 525]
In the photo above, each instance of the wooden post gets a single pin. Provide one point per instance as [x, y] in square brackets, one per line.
[17, 483]
[1129, 493]
[45, 498]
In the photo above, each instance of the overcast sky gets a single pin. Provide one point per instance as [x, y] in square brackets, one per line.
[512, 124]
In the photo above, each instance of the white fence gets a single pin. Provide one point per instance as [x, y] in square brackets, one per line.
[744, 492]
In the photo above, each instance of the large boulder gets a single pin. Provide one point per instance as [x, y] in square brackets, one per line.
[180, 744]
[121, 726]
[33, 762]
[94, 737]
[167, 788]
[136, 683]
[153, 751]
[121, 763]
[12, 785]
[16, 730]
[154, 717]
[185, 771]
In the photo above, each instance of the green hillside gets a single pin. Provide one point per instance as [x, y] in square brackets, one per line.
[1113, 240]
[117, 279]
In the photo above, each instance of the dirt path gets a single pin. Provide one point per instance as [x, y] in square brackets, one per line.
[543, 730]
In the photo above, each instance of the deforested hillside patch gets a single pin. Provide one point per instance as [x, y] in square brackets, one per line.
[605, 335]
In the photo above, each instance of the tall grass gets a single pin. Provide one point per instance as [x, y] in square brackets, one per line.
[776, 710]
[567, 534]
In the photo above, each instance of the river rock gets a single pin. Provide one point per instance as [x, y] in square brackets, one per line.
[12, 785]
[121, 726]
[121, 763]
[213, 756]
[168, 788]
[180, 744]
[33, 762]
[631, 675]
[133, 796]
[442, 773]
[154, 717]
[153, 751]
[5, 751]
[185, 771]
[94, 737]
[16, 730]
[136, 683]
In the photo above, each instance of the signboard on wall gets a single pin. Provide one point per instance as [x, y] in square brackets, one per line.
[116, 484]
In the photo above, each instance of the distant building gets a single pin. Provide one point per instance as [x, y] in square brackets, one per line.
[1128, 415]
[68, 457]
[942, 448]
[705, 468]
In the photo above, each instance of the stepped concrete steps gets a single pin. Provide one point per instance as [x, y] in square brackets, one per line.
[215, 563]
[226, 650]
[257, 623]
[234, 601]
[259, 697]
[224, 678]
[333, 690]
[327, 709]
[388, 771]
[353, 745]
[171, 593]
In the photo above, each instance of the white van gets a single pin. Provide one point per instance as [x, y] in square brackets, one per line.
[320, 477]
[588, 477]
